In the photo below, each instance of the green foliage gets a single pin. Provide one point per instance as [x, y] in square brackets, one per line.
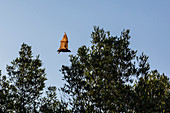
[99, 79]
[99, 76]
[152, 93]
[50, 103]
[28, 78]
[21, 91]
[5, 90]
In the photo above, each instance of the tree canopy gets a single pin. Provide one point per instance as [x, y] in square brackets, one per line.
[99, 77]
[107, 76]
[21, 91]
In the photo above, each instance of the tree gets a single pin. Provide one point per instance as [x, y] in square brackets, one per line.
[27, 77]
[21, 90]
[152, 93]
[6, 95]
[51, 104]
[97, 80]
[4, 92]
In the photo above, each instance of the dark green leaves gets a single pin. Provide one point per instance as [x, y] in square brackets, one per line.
[152, 93]
[99, 76]
[28, 80]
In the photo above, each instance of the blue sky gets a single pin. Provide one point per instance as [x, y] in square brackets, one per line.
[42, 23]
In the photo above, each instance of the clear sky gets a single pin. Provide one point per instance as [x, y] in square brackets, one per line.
[42, 23]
